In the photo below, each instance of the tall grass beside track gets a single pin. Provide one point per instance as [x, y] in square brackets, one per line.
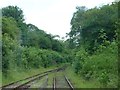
[77, 80]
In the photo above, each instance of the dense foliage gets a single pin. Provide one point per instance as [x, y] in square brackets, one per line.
[24, 46]
[93, 40]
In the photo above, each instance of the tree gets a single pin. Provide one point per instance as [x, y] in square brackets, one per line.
[10, 43]
[86, 25]
[14, 12]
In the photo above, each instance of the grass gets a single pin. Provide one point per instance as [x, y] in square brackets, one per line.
[38, 83]
[50, 80]
[18, 75]
[78, 81]
[0, 78]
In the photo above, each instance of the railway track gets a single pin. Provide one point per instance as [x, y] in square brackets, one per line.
[65, 83]
[27, 82]
[40, 81]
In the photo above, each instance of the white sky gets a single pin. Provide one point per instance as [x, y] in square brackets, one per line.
[52, 16]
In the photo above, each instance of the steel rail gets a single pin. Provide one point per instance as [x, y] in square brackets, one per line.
[69, 83]
[24, 86]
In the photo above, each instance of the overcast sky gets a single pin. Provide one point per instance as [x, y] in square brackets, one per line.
[52, 16]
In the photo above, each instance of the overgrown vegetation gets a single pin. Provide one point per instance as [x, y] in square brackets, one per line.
[91, 47]
[26, 47]
[93, 39]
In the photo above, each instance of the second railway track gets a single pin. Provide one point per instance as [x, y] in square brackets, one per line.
[64, 83]
[60, 81]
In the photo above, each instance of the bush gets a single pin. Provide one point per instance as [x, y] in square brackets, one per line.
[100, 65]
[103, 78]
[34, 57]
